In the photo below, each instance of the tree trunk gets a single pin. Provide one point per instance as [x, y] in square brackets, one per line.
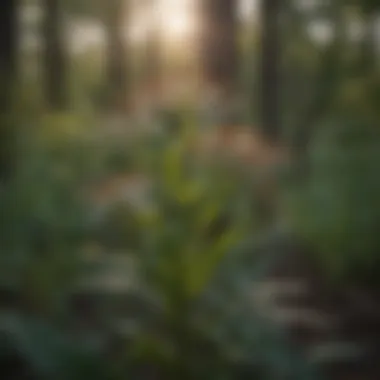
[369, 43]
[55, 56]
[326, 85]
[8, 49]
[219, 48]
[117, 69]
[153, 56]
[153, 46]
[270, 69]
[8, 53]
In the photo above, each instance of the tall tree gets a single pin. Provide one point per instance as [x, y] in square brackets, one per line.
[153, 48]
[8, 52]
[8, 49]
[327, 82]
[370, 11]
[55, 56]
[270, 69]
[219, 48]
[115, 14]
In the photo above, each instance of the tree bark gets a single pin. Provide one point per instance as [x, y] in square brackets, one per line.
[8, 60]
[8, 50]
[326, 85]
[369, 42]
[219, 44]
[117, 69]
[153, 46]
[270, 69]
[55, 56]
[153, 56]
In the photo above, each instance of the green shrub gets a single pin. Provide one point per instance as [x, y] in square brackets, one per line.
[191, 242]
[43, 216]
[196, 251]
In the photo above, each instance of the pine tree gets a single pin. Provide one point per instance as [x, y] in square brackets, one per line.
[8, 60]
[270, 69]
[117, 69]
[55, 56]
[8, 49]
[219, 49]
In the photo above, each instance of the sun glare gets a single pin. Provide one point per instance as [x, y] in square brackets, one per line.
[177, 26]
[175, 18]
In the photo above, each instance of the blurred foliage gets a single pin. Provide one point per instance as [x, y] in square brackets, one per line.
[41, 352]
[332, 76]
[43, 215]
[88, 85]
[193, 221]
[196, 250]
[194, 232]
[44, 224]
[337, 209]
[119, 228]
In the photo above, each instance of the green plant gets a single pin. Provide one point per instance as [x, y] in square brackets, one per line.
[43, 220]
[193, 268]
[197, 259]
